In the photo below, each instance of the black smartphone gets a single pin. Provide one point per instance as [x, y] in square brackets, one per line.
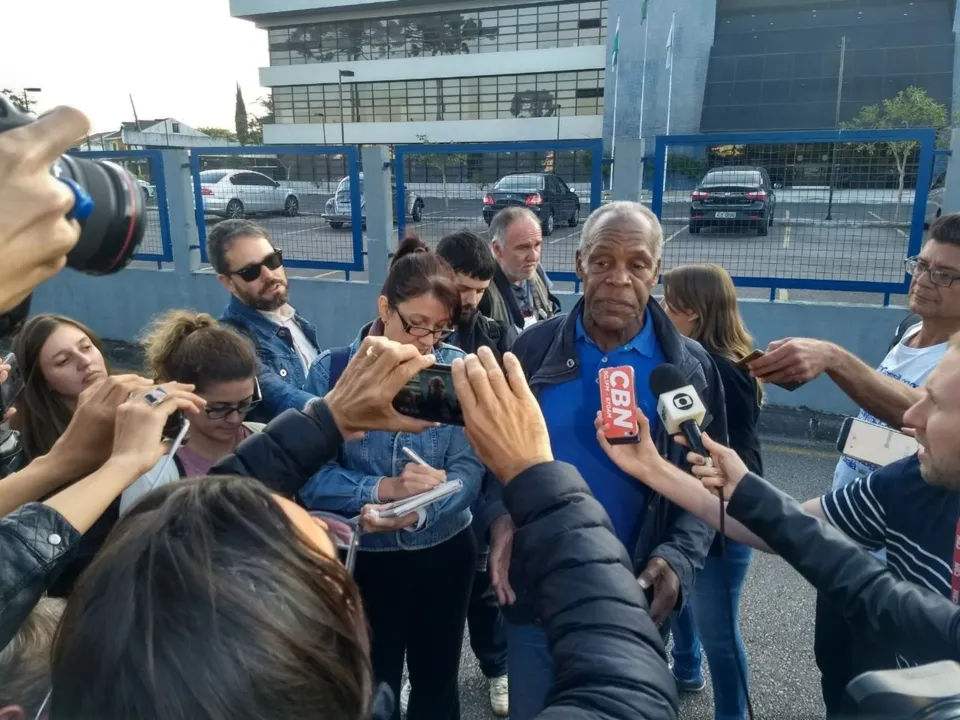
[429, 395]
[174, 425]
[12, 387]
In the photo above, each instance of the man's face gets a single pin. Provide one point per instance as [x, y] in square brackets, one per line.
[269, 290]
[518, 251]
[936, 419]
[618, 272]
[935, 301]
[471, 292]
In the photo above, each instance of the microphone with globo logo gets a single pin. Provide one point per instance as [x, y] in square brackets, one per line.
[678, 405]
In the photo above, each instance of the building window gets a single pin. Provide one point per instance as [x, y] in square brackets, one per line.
[566, 24]
[176, 127]
[468, 98]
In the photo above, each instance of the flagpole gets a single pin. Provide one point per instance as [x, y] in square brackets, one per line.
[643, 93]
[669, 95]
[616, 92]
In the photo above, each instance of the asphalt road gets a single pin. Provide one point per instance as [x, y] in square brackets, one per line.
[776, 616]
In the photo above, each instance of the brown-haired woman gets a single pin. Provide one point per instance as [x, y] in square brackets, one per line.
[188, 347]
[701, 300]
[415, 573]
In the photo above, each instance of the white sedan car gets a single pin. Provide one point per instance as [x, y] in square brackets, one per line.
[236, 193]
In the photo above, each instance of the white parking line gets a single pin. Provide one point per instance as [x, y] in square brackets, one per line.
[902, 233]
[685, 227]
[787, 230]
[294, 232]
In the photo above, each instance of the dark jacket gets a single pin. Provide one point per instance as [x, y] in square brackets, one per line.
[36, 544]
[609, 658]
[503, 286]
[548, 355]
[917, 621]
[485, 332]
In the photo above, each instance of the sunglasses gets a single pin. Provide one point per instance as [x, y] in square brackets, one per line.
[345, 535]
[220, 411]
[251, 272]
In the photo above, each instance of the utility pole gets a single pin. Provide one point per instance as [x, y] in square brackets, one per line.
[836, 124]
[340, 76]
[558, 121]
[26, 98]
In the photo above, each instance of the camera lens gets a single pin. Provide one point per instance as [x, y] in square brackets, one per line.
[111, 234]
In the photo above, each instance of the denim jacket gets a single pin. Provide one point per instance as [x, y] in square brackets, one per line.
[281, 372]
[349, 483]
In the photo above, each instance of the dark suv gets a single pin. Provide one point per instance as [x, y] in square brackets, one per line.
[544, 193]
[735, 197]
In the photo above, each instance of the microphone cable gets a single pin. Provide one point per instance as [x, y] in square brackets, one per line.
[741, 668]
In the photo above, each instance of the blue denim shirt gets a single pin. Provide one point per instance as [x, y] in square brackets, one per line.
[281, 372]
[347, 484]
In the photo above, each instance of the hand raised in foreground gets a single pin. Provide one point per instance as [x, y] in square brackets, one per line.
[363, 397]
[35, 235]
[727, 470]
[792, 361]
[4, 374]
[502, 417]
[139, 428]
[640, 460]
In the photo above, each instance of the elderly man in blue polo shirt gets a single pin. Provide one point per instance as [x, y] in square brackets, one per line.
[616, 323]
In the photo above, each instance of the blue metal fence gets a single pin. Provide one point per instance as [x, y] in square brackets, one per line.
[832, 215]
[147, 166]
[302, 222]
[461, 203]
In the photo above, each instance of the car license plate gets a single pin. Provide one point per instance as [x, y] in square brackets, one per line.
[726, 215]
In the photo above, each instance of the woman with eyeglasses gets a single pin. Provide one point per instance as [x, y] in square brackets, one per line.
[414, 572]
[187, 347]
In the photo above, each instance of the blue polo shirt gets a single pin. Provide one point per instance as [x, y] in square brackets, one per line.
[569, 409]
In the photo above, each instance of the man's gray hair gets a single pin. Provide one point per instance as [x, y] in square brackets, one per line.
[508, 216]
[622, 212]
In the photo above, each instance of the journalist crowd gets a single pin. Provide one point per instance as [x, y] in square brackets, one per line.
[245, 564]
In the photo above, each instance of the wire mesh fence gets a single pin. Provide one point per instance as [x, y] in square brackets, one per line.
[796, 212]
[308, 199]
[444, 188]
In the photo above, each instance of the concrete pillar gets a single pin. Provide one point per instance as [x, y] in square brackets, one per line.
[183, 219]
[381, 236]
[951, 195]
[628, 169]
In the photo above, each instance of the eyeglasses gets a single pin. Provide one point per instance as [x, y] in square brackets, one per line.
[422, 332]
[220, 411]
[938, 276]
[251, 272]
[345, 535]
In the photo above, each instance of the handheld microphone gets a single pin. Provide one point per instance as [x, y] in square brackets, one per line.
[678, 405]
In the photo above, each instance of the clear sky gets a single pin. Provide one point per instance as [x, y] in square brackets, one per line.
[179, 58]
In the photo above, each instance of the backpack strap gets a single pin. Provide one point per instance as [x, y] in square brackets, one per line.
[909, 322]
[339, 357]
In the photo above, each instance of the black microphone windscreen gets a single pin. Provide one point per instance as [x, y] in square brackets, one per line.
[666, 377]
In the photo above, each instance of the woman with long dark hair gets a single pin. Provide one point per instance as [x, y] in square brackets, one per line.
[193, 348]
[415, 575]
[702, 302]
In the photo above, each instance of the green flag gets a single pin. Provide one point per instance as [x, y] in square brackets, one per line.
[616, 45]
[643, 11]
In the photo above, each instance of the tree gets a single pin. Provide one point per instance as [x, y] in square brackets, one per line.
[17, 100]
[216, 132]
[440, 162]
[240, 118]
[255, 123]
[910, 108]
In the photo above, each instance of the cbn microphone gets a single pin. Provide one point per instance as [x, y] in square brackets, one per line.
[678, 405]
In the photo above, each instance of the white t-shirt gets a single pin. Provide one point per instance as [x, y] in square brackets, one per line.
[285, 317]
[910, 366]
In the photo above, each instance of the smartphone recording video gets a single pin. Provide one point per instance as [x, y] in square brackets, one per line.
[11, 388]
[429, 395]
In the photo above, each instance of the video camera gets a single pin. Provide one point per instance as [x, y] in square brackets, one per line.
[113, 218]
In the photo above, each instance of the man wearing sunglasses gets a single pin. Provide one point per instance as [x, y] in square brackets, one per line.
[883, 396]
[251, 268]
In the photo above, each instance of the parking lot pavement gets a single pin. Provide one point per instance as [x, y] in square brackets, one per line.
[776, 616]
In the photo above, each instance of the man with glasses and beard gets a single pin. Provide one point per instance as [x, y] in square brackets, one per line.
[884, 395]
[251, 268]
[474, 265]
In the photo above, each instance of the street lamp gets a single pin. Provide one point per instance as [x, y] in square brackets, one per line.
[26, 99]
[324, 122]
[836, 122]
[558, 120]
[341, 75]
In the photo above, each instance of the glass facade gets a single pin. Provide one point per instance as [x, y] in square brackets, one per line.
[776, 68]
[465, 98]
[531, 27]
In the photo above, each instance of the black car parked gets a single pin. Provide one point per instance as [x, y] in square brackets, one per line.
[544, 193]
[736, 197]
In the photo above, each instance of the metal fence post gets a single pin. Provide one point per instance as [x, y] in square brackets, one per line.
[381, 241]
[951, 195]
[182, 224]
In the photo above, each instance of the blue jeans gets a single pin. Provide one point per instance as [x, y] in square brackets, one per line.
[708, 610]
[530, 668]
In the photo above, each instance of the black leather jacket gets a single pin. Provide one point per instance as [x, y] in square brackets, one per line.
[918, 622]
